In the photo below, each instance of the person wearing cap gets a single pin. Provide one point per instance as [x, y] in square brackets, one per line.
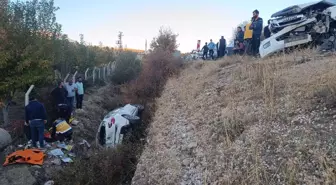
[36, 117]
[256, 26]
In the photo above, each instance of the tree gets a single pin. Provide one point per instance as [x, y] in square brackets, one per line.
[127, 67]
[28, 32]
[166, 41]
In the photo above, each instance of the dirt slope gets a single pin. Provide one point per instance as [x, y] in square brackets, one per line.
[240, 121]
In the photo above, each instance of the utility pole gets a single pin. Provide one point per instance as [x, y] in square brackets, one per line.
[119, 42]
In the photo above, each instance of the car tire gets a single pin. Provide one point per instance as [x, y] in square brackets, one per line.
[131, 119]
[140, 107]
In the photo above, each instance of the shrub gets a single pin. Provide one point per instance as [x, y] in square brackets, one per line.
[127, 67]
[156, 68]
[165, 41]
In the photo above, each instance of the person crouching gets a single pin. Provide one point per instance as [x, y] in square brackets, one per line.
[61, 130]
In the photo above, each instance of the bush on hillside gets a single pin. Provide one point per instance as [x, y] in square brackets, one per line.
[156, 68]
[127, 67]
[165, 41]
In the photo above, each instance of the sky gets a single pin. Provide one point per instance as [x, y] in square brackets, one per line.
[101, 20]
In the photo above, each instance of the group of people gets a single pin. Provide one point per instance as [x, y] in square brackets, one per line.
[248, 41]
[210, 48]
[63, 104]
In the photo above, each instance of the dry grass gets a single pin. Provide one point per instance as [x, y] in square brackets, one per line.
[241, 121]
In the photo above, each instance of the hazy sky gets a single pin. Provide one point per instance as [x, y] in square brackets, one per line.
[100, 20]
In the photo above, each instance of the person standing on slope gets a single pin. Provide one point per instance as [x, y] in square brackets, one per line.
[248, 38]
[222, 46]
[71, 88]
[256, 26]
[212, 47]
[205, 51]
[36, 117]
[59, 95]
[80, 93]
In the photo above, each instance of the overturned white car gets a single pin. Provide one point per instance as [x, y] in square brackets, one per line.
[117, 123]
[312, 24]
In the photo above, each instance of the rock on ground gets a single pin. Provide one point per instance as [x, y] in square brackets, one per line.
[17, 176]
[5, 138]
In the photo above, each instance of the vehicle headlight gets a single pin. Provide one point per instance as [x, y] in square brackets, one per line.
[267, 44]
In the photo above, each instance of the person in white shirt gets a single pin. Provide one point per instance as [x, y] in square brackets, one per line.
[71, 88]
[80, 93]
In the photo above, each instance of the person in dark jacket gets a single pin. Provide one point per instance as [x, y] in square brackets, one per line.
[59, 94]
[240, 35]
[36, 116]
[59, 97]
[256, 26]
[222, 46]
[267, 32]
[205, 51]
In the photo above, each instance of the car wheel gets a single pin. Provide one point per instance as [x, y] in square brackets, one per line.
[140, 107]
[132, 119]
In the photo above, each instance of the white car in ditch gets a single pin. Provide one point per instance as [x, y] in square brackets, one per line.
[117, 123]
